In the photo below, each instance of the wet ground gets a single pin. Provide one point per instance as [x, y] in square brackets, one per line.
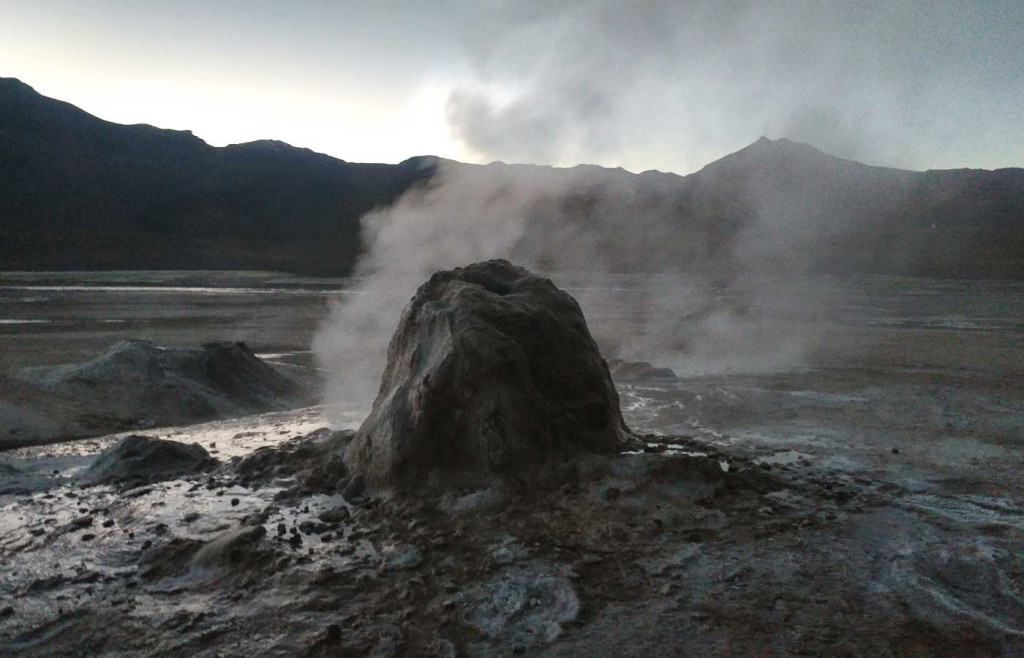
[867, 501]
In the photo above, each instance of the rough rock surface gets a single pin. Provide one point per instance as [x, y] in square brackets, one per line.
[139, 385]
[491, 369]
[140, 459]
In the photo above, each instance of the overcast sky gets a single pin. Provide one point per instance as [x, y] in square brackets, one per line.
[642, 85]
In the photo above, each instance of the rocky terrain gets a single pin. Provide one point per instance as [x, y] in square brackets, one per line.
[276, 536]
[139, 385]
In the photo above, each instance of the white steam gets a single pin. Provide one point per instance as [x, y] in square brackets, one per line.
[651, 288]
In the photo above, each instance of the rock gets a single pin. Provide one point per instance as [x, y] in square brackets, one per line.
[313, 460]
[8, 611]
[231, 547]
[81, 522]
[170, 558]
[336, 515]
[140, 459]
[638, 371]
[491, 370]
[401, 558]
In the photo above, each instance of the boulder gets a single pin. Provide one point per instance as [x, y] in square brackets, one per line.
[491, 370]
[140, 459]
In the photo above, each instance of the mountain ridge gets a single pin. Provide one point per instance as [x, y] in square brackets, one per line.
[79, 192]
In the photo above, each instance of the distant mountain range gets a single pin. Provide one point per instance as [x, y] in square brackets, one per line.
[77, 192]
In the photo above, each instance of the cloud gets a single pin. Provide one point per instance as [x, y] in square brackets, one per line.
[672, 85]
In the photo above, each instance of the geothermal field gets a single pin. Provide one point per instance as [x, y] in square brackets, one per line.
[819, 466]
[511, 328]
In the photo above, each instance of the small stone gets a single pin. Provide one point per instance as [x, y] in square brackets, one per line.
[82, 522]
[334, 633]
[108, 523]
[895, 451]
[667, 588]
[8, 611]
[336, 515]
[88, 536]
[234, 502]
[295, 540]
[281, 529]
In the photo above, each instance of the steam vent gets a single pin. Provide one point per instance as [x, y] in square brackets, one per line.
[492, 370]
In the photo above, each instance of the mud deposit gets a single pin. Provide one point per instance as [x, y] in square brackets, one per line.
[866, 503]
[703, 544]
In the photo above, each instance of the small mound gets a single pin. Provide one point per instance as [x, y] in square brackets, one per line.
[491, 370]
[143, 459]
[638, 371]
[137, 385]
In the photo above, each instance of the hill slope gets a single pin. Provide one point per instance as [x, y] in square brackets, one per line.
[77, 192]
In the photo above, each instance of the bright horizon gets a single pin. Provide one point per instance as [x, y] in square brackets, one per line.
[648, 86]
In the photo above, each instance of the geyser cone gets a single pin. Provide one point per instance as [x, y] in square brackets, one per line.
[492, 370]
